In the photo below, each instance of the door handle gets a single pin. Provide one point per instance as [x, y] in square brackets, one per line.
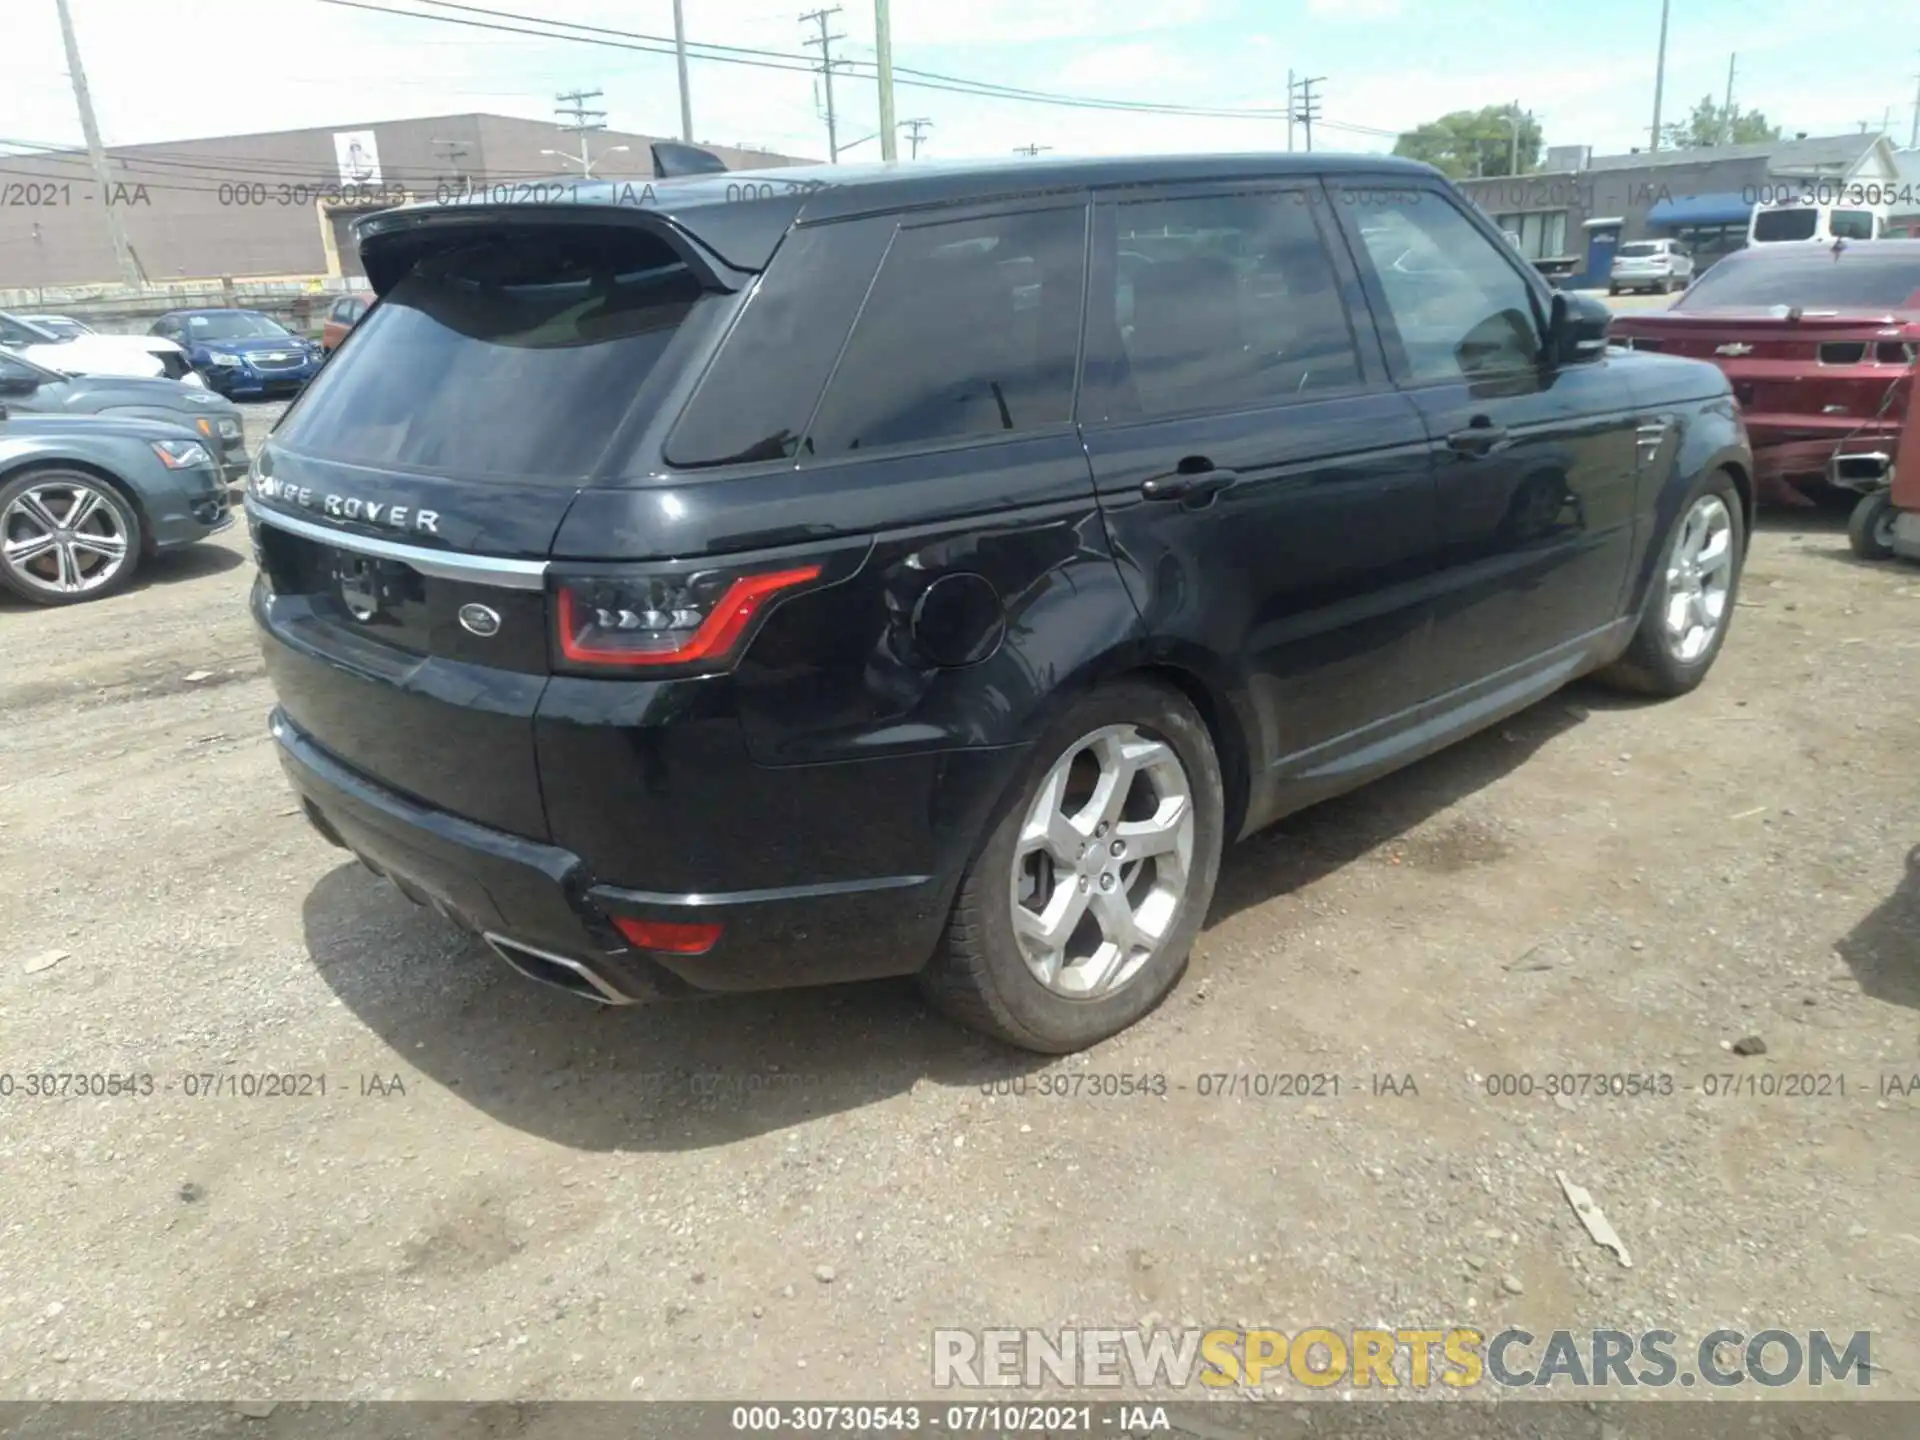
[1479, 438]
[1191, 486]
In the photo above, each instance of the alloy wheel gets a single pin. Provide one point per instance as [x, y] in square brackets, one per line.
[1102, 862]
[1699, 579]
[63, 537]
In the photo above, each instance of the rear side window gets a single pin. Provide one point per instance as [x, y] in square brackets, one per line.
[1851, 224]
[756, 398]
[1785, 224]
[971, 330]
[1225, 302]
[514, 356]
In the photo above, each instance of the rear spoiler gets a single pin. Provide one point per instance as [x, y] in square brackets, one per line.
[724, 245]
[670, 159]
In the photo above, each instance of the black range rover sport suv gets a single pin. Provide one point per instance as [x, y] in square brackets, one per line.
[772, 579]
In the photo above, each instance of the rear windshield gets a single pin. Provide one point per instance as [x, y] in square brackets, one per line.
[1863, 277]
[515, 356]
[234, 325]
[1640, 247]
[1785, 224]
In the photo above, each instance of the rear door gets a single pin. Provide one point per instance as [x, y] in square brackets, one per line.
[1535, 465]
[1267, 489]
[404, 509]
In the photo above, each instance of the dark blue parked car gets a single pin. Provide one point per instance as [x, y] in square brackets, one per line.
[242, 352]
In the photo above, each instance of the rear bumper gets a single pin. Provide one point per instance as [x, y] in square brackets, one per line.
[1795, 454]
[541, 899]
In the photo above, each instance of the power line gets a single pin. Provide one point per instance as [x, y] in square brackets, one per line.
[1030, 150]
[784, 60]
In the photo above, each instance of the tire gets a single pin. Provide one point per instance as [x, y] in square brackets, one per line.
[981, 975]
[1870, 526]
[38, 503]
[1655, 661]
[1613, 289]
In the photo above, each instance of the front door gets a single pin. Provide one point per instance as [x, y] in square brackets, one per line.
[1267, 489]
[1534, 463]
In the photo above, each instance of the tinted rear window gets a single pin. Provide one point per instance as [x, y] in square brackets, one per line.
[509, 357]
[1785, 224]
[1640, 247]
[970, 331]
[1863, 277]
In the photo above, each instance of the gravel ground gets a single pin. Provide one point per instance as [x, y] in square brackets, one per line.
[505, 1193]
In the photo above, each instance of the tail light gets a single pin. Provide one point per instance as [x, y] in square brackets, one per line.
[705, 618]
[668, 936]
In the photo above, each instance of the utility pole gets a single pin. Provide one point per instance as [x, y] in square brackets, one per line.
[1726, 110]
[825, 42]
[1290, 88]
[1030, 150]
[680, 60]
[574, 104]
[1659, 75]
[883, 62]
[96, 153]
[1309, 107]
[1913, 140]
[1513, 153]
[914, 130]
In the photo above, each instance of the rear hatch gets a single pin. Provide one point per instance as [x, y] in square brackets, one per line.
[1815, 374]
[404, 508]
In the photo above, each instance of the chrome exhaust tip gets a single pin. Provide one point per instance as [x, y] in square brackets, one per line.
[1860, 472]
[560, 971]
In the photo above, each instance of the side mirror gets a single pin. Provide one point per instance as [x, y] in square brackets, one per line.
[1577, 329]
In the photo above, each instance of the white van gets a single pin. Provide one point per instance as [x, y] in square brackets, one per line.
[1796, 223]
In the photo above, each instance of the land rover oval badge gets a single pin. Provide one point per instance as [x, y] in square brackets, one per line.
[479, 620]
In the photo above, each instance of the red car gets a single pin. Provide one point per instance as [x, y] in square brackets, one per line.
[1821, 344]
[342, 316]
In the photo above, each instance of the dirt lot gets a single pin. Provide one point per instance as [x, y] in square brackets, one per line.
[506, 1193]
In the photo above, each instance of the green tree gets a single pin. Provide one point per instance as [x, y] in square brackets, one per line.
[1466, 143]
[1711, 123]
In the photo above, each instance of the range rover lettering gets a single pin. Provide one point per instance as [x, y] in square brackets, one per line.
[929, 570]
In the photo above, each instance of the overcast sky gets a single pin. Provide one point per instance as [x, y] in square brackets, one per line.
[173, 69]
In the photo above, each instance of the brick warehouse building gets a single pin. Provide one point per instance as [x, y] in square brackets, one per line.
[274, 204]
